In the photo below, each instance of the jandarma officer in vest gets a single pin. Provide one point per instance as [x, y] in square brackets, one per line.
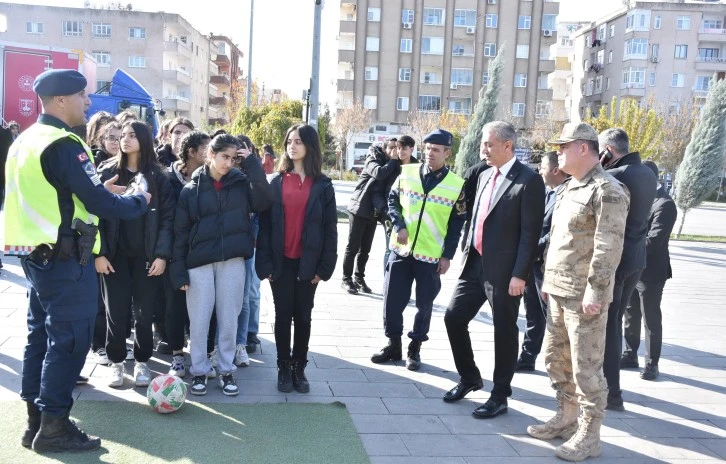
[427, 207]
[54, 198]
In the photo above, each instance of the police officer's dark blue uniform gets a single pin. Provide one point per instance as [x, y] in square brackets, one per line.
[63, 294]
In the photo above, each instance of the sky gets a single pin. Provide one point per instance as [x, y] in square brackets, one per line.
[282, 33]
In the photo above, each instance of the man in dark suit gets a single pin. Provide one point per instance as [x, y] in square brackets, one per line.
[645, 301]
[535, 307]
[471, 178]
[505, 227]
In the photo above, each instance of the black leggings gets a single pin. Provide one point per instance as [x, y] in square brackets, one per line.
[293, 301]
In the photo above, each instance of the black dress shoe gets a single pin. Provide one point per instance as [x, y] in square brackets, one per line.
[362, 285]
[615, 403]
[628, 362]
[524, 366]
[461, 390]
[492, 408]
[649, 372]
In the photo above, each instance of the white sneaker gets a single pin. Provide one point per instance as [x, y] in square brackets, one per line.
[177, 366]
[214, 358]
[129, 354]
[241, 358]
[142, 374]
[117, 375]
[101, 357]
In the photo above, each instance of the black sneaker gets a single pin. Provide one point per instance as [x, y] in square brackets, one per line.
[163, 348]
[229, 386]
[199, 385]
[628, 362]
[615, 403]
[252, 342]
[361, 283]
[649, 372]
[348, 285]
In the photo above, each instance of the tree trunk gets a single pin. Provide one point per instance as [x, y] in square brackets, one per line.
[680, 227]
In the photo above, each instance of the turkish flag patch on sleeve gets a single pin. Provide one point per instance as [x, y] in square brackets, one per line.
[83, 157]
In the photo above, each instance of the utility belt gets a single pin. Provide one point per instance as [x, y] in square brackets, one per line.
[79, 246]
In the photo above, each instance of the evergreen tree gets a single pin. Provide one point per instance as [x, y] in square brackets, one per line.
[484, 111]
[699, 173]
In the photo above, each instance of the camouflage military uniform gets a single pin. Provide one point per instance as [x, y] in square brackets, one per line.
[586, 242]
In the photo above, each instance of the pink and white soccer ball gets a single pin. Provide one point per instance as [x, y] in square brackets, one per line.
[166, 393]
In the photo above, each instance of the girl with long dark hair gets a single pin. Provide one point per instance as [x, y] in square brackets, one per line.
[297, 248]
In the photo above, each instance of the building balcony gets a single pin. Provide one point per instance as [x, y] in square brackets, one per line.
[346, 56]
[347, 27]
[217, 121]
[218, 101]
[710, 64]
[633, 90]
[180, 48]
[177, 76]
[635, 56]
[345, 85]
[545, 94]
[546, 66]
[711, 35]
[220, 81]
[176, 103]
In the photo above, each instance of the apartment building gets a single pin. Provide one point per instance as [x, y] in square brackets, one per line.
[560, 80]
[666, 51]
[430, 55]
[176, 63]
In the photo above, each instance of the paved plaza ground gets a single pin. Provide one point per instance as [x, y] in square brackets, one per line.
[400, 415]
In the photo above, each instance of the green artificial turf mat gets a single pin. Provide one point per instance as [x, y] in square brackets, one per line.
[198, 433]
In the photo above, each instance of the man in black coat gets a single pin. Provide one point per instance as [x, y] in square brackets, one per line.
[645, 302]
[505, 229]
[641, 183]
[471, 179]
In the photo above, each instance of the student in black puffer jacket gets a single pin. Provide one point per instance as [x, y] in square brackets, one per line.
[213, 236]
[297, 248]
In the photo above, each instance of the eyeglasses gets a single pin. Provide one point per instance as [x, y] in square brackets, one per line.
[111, 139]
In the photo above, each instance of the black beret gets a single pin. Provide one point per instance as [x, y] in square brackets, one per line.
[59, 82]
[440, 137]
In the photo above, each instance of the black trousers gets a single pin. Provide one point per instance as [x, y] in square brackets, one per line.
[293, 300]
[99, 327]
[535, 313]
[470, 294]
[360, 238]
[625, 282]
[175, 316]
[130, 288]
[645, 305]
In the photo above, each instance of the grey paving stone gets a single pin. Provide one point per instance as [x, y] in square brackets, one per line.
[415, 460]
[717, 445]
[384, 445]
[355, 405]
[669, 428]
[411, 424]
[458, 445]
[379, 389]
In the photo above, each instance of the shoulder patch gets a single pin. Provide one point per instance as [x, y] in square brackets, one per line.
[82, 157]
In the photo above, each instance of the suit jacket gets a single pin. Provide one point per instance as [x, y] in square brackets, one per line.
[660, 224]
[471, 177]
[544, 236]
[512, 227]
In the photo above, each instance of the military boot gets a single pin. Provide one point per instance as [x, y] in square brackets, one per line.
[585, 443]
[390, 352]
[59, 433]
[413, 357]
[563, 424]
[299, 381]
[284, 376]
[33, 425]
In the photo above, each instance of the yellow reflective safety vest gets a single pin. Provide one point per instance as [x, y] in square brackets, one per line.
[32, 214]
[426, 215]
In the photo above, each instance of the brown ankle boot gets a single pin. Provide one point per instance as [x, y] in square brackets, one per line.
[563, 424]
[585, 443]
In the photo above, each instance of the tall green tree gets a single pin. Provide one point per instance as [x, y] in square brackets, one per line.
[484, 112]
[643, 125]
[699, 173]
[267, 123]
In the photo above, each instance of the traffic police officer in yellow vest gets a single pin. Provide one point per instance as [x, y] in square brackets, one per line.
[54, 198]
[426, 205]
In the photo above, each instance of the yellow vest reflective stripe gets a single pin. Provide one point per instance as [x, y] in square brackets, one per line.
[426, 215]
[32, 214]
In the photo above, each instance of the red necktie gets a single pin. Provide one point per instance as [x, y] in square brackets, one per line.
[484, 212]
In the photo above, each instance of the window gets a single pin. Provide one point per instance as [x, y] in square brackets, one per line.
[429, 103]
[681, 51]
[460, 106]
[633, 78]
[406, 45]
[101, 30]
[402, 103]
[458, 50]
[708, 54]
[137, 62]
[431, 77]
[465, 18]
[601, 57]
[490, 49]
[73, 28]
[586, 65]
[607, 83]
[674, 109]
[520, 80]
[602, 32]
[522, 51]
[370, 102]
[636, 48]
[491, 20]
[404, 74]
[612, 30]
[372, 44]
[543, 108]
[137, 33]
[651, 79]
[33, 27]
[701, 84]
[610, 57]
[712, 24]
[462, 76]
[518, 110]
[598, 84]
[549, 22]
[371, 73]
[638, 20]
[374, 14]
[683, 23]
[492, 2]
[656, 22]
[432, 45]
[103, 59]
[433, 16]
[485, 78]
[678, 80]
[100, 85]
[525, 22]
[407, 16]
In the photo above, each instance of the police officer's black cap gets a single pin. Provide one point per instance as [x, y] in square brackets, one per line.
[440, 137]
[59, 82]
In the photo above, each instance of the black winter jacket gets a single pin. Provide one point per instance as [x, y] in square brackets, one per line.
[370, 199]
[176, 178]
[642, 184]
[213, 226]
[319, 238]
[159, 233]
[165, 156]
